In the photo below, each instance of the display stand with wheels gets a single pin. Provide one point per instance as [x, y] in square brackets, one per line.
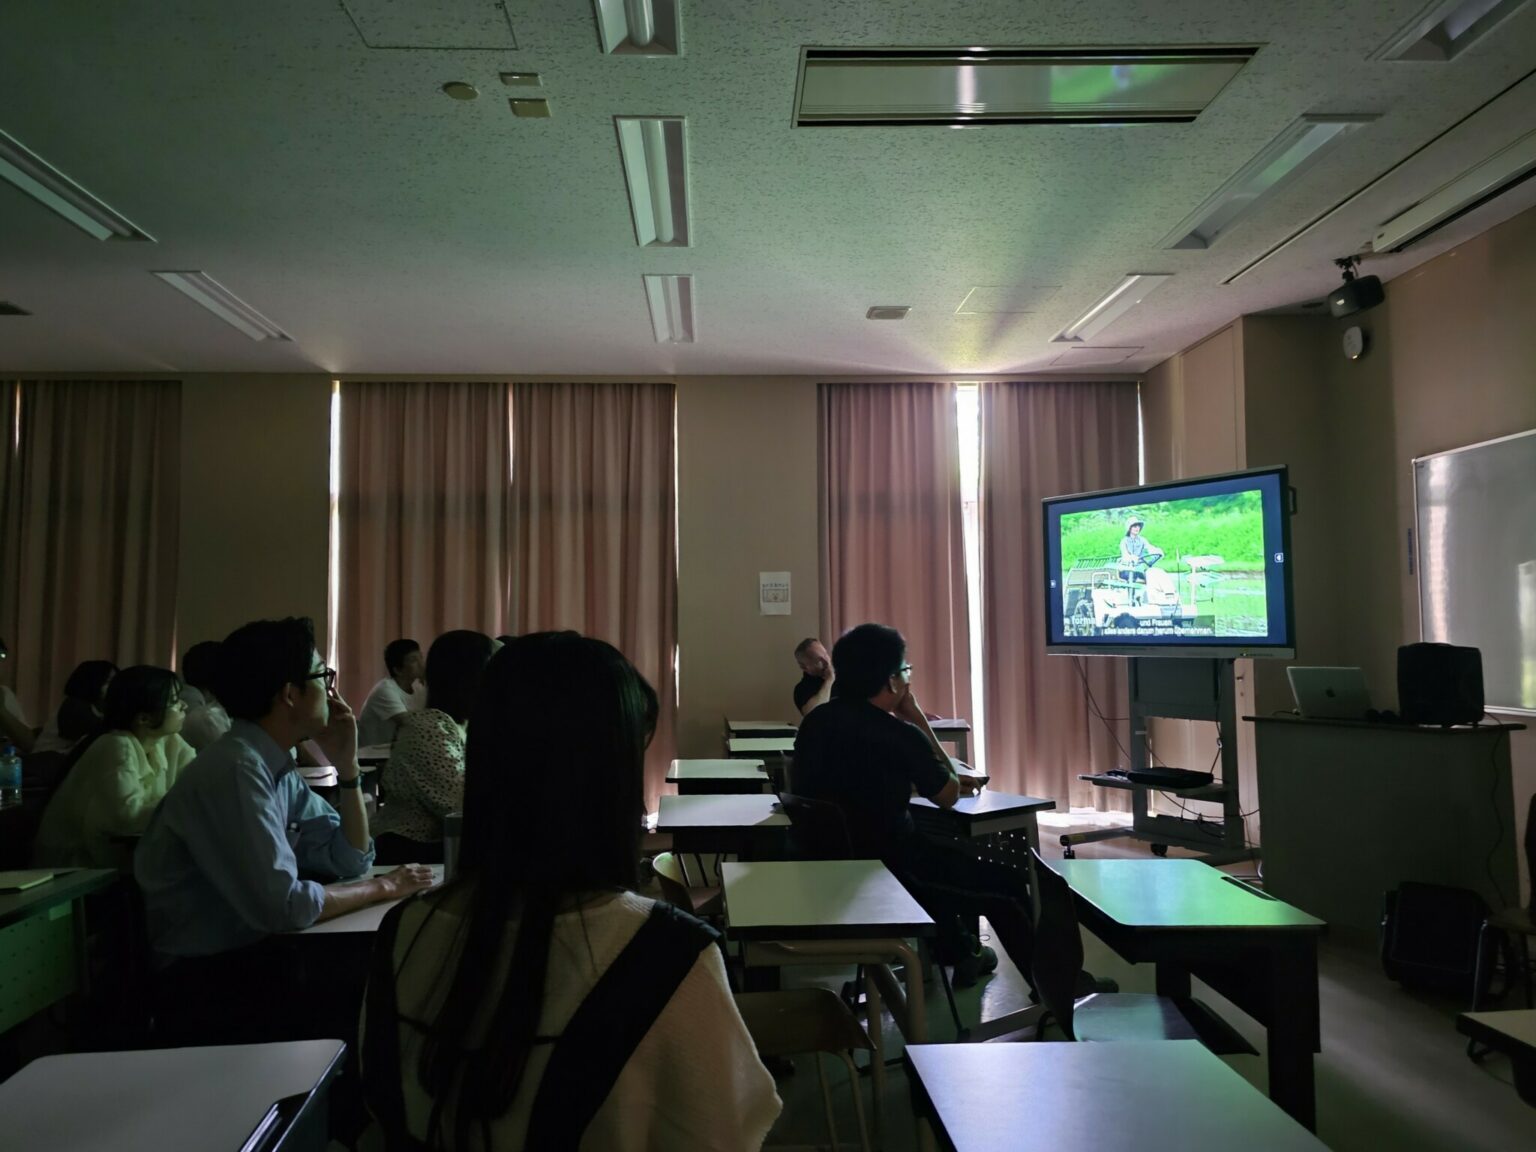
[1182, 689]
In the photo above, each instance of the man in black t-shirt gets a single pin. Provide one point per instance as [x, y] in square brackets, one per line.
[816, 678]
[866, 751]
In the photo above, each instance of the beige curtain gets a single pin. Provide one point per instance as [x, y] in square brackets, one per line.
[424, 508]
[88, 529]
[1041, 440]
[595, 529]
[892, 536]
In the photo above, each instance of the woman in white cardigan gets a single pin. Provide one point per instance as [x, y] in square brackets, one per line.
[118, 776]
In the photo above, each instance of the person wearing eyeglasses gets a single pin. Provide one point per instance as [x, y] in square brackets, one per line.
[241, 850]
[867, 751]
[114, 779]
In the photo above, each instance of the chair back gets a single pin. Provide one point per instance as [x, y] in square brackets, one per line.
[1530, 853]
[674, 884]
[1058, 944]
[819, 830]
[453, 833]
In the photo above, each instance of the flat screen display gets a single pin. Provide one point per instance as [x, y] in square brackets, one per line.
[1193, 568]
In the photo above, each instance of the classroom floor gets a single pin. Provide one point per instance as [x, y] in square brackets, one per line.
[1392, 1075]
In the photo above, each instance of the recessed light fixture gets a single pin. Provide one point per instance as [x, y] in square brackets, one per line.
[888, 312]
[1444, 29]
[655, 154]
[640, 27]
[1121, 299]
[52, 189]
[1287, 154]
[460, 90]
[522, 79]
[1086, 357]
[1496, 175]
[223, 303]
[852, 87]
[670, 298]
[530, 109]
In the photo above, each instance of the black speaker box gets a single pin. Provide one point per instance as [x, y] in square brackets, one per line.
[1356, 296]
[1439, 684]
[1429, 936]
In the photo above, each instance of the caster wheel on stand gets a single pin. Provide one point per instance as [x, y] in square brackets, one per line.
[1159, 849]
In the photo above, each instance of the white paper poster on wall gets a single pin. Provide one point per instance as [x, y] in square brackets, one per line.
[773, 593]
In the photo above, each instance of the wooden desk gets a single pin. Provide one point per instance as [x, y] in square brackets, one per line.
[1514, 1034]
[1124, 1097]
[373, 754]
[760, 746]
[759, 728]
[205, 1098]
[956, 732]
[717, 777]
[830, 912]
[364, 920]
[1188, 919]
[744, 825]
[42, 943]
[987, 814]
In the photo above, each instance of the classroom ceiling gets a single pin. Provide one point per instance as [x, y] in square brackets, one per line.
[390, 229]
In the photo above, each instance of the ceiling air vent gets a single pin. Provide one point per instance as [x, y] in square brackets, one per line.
[865, 87]
[9, 309]
[888, 312]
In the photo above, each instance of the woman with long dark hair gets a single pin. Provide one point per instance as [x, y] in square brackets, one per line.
[115, 779]
[80, 714]
[536, 1001]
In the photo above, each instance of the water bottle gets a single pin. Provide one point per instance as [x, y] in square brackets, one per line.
[10, 776]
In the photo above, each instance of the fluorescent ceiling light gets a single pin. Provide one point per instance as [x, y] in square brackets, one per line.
[670, 297]
[1085, 357]
[1473, 188]
[655, 154]
[1288, 154]
[51, 188]
[1444, 29]
[846, 87]
[1126, 295]
[640, 27]
[223, 303]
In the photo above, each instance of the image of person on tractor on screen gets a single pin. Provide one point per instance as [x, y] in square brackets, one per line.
[1137, 553]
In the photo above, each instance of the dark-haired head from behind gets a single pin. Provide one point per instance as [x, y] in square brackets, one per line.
[558, 714]
[200, 666]
[137, 698]
[865, 658]
[258, 660]
[455, 666]
[84, 695]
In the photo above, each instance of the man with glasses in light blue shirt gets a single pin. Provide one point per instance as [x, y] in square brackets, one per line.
[241, 851]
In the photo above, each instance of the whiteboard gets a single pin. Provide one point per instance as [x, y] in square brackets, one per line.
[1475, 514]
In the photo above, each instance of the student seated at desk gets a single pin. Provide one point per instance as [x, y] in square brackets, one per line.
[220, 863]
[816, 678]
[866, 751]
[14, 727]
[79, 715]
[536, 1001]
[393, 697]
[424, 778]
[114, 781]
[206, 718]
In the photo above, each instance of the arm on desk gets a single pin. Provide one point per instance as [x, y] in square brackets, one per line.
[938, 783]
[339, 899]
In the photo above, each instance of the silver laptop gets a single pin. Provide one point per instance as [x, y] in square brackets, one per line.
[1330, 693]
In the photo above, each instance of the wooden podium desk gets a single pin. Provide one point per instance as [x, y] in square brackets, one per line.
[1351, 809]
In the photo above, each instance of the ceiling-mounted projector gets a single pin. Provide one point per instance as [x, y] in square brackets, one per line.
[1356, 294]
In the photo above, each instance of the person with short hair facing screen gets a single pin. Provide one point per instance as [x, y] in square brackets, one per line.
[424, 777]
[866, 751]
[14, 726]
[207, 719]
[117, 777]
[221, 861]
[503, 1011]
[392, 697]
[80, 712]
[816, 676]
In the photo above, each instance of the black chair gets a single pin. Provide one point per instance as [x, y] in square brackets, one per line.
[1105, 1016]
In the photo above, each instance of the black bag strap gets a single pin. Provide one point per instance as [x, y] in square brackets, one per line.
[610, 1023]
[383, 1091]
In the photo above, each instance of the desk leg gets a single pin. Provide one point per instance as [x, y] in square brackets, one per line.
[1294, 1031]
[873, 1010]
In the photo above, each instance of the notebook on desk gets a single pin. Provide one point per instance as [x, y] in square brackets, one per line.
[1329, 693]
[21, 881]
